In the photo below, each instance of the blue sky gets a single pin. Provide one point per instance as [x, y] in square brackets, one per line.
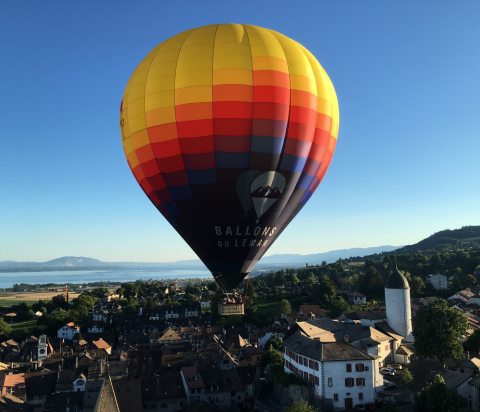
[406, 163]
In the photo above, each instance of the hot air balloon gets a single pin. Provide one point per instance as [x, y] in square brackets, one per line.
[229, 129]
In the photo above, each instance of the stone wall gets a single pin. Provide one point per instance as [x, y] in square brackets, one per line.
[294, 393]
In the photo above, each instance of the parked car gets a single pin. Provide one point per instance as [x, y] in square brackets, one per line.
[360, 407]
[370, 406]
[387, 371]
[396, 366]
[388, 385]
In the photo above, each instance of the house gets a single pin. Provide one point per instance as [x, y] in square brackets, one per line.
[342, 376]
[96, 326]
[14, 384]
[313, 310]
[165, 393]
[356, 298]
[193, 384]
[223, 388]
[466, 385]
[439, 282]
[98, 349]
[205, 303]
[39, 385]
[128, 394]
[68, 331]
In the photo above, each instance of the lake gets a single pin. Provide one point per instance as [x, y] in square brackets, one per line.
[7, 280]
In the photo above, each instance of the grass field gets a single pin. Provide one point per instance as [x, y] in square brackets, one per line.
[29, 298]
[22, 330]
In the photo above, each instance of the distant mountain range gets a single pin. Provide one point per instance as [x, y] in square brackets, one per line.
[435, 241]
[69, 262]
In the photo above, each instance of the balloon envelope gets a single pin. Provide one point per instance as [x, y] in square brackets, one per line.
[229, 129]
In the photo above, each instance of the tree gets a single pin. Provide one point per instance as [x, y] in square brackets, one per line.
[270, 357]
[407, 378]
[273, 342]
[300, 406]
[472, 343]
[416, 285]
[437, 397]
[280, 278]
[5, 329]
[436, 329]
[284, 307]
[213, 286]
[337, 307]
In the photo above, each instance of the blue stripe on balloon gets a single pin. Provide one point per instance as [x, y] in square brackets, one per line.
[305, 181]
[265, 144]
[292, 163]
[181, 192]
[232, 160]
[172, 208]
[202, 177]
[306, 197]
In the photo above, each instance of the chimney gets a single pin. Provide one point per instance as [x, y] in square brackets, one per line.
[76, 362]
[101, 367]
[467, 355]
[346, 339]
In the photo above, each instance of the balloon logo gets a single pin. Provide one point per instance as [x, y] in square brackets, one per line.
[229, 130]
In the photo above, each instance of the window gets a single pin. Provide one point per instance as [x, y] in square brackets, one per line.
[317, 381]
[305, 361]
[335, 397]
[379, 349]
[360, 381]
[153, 406]
[386, 348]
[164, 405]
[349, 382]
[310, 364]
[360, 396]
[192, 399]
[349, 367]
[330, 382]
[300, 360]
[316, 366]
[197, 398]
[359, 367]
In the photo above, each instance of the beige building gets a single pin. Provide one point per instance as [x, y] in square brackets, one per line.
[439, 282]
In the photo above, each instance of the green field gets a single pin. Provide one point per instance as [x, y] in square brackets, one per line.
[23, 329]
[11, 302]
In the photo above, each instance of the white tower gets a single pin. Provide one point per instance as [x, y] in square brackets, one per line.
[397, 303]
[42, 347]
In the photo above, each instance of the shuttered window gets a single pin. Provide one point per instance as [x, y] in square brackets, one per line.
[349, 367]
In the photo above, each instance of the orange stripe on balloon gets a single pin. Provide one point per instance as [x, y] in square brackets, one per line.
[194, 111]
[271, 78]
[162, 133]
[144, 154]
[232, 92]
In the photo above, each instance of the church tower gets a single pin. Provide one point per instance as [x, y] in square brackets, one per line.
[397, 303]
[42, 347]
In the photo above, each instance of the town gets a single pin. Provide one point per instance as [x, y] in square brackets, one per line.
[347, 335]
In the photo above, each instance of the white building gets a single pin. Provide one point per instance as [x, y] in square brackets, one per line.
[205, 303]
[68, 331]
[397, 303]
[439, 282]
[342, 376]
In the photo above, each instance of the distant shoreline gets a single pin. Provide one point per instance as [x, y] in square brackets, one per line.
[63, 269]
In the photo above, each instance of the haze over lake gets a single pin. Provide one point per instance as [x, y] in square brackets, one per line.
[7, 280]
